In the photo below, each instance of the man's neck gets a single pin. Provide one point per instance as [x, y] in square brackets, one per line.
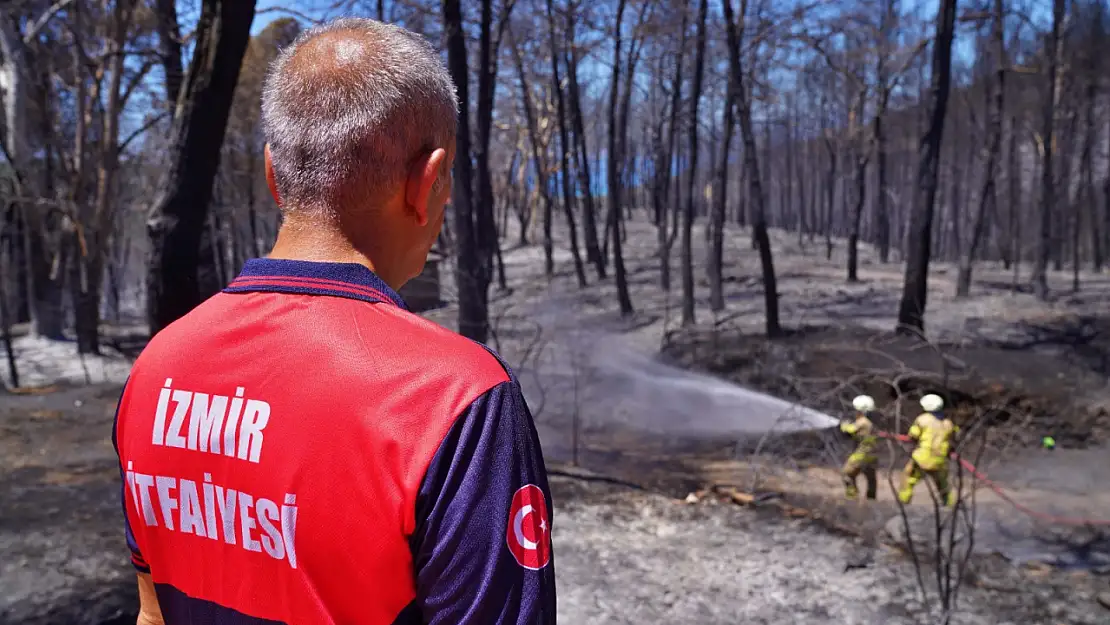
[322, 243]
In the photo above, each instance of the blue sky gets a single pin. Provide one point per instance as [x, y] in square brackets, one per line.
[1038, 11]
[923, 10]
[266, 13]
[594, 73]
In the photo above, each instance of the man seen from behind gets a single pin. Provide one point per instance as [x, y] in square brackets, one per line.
[300, 448]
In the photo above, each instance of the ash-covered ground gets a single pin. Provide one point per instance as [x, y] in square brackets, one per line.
[630, 556]
[622, 555]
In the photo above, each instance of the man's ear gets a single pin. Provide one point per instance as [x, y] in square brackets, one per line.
[422, 177]
[271, 181]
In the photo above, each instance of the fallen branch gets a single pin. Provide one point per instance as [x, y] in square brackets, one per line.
[589, 476]
[33, 390]
[776, 500]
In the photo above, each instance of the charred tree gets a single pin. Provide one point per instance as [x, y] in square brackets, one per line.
[8, 243]
[751, 166]
[862, 157]
[1048, 148]
[993, 150]
[717, 213]
[688, 317]
[830, 192]
[96, 220]
[1090, 100]
[564, 147]
[628, 151]
[613, 169]
[471, 268]
[169, 48]
[626, 163]
[1015, 197]
[488, 242]
[1106, 198]
[882, 215]
[793, 160]
[581, 154]
[44, 288]
[911, 310]
[666, 211]
[180, 210]
[538, 159]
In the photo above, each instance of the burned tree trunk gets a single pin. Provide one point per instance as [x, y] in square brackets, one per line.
[538, 160]
[625, 163]
[830, 193]
[489, 245]
[688, 317]
[667, 212]
[8, 244]
[862, 157]
[911, 310]
[470, 269]
[209, 280]
[793, 158]
[1014, 196]
[95, 240]
[613, 169]
[179, 214]
[882, 216]
[994, 149]
[751, 166]
[717, 214]
[1048, 147]
[1106, 200]
[45, 293]
[169, 48]
[589, 212]
[1088, 182]
[564, 148]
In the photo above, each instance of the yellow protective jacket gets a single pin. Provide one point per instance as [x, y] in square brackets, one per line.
[861, 430]
[934, 437]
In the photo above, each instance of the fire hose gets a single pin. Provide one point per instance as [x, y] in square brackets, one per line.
[1051, 519]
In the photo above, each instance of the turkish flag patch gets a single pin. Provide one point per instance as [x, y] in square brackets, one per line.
[529, 533]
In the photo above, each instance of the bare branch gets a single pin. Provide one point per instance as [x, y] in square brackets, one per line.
[288, 11]
[45, 18]
[150, 123]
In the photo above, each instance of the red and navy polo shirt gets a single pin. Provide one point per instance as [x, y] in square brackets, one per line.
[301, 449]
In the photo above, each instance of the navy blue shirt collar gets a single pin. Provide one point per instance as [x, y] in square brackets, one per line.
[348, 280]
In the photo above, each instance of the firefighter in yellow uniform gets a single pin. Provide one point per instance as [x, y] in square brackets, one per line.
[933, 433]
[863, 459]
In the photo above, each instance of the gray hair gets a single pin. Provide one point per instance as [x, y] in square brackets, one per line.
[347, 106]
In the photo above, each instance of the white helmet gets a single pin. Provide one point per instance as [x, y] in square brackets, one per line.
[932, 403]
[863, 403]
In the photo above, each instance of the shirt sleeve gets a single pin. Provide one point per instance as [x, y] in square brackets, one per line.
[137, 560]
[915, 430]
[482, 543]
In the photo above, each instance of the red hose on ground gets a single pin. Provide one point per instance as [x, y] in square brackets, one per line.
[998, 490]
